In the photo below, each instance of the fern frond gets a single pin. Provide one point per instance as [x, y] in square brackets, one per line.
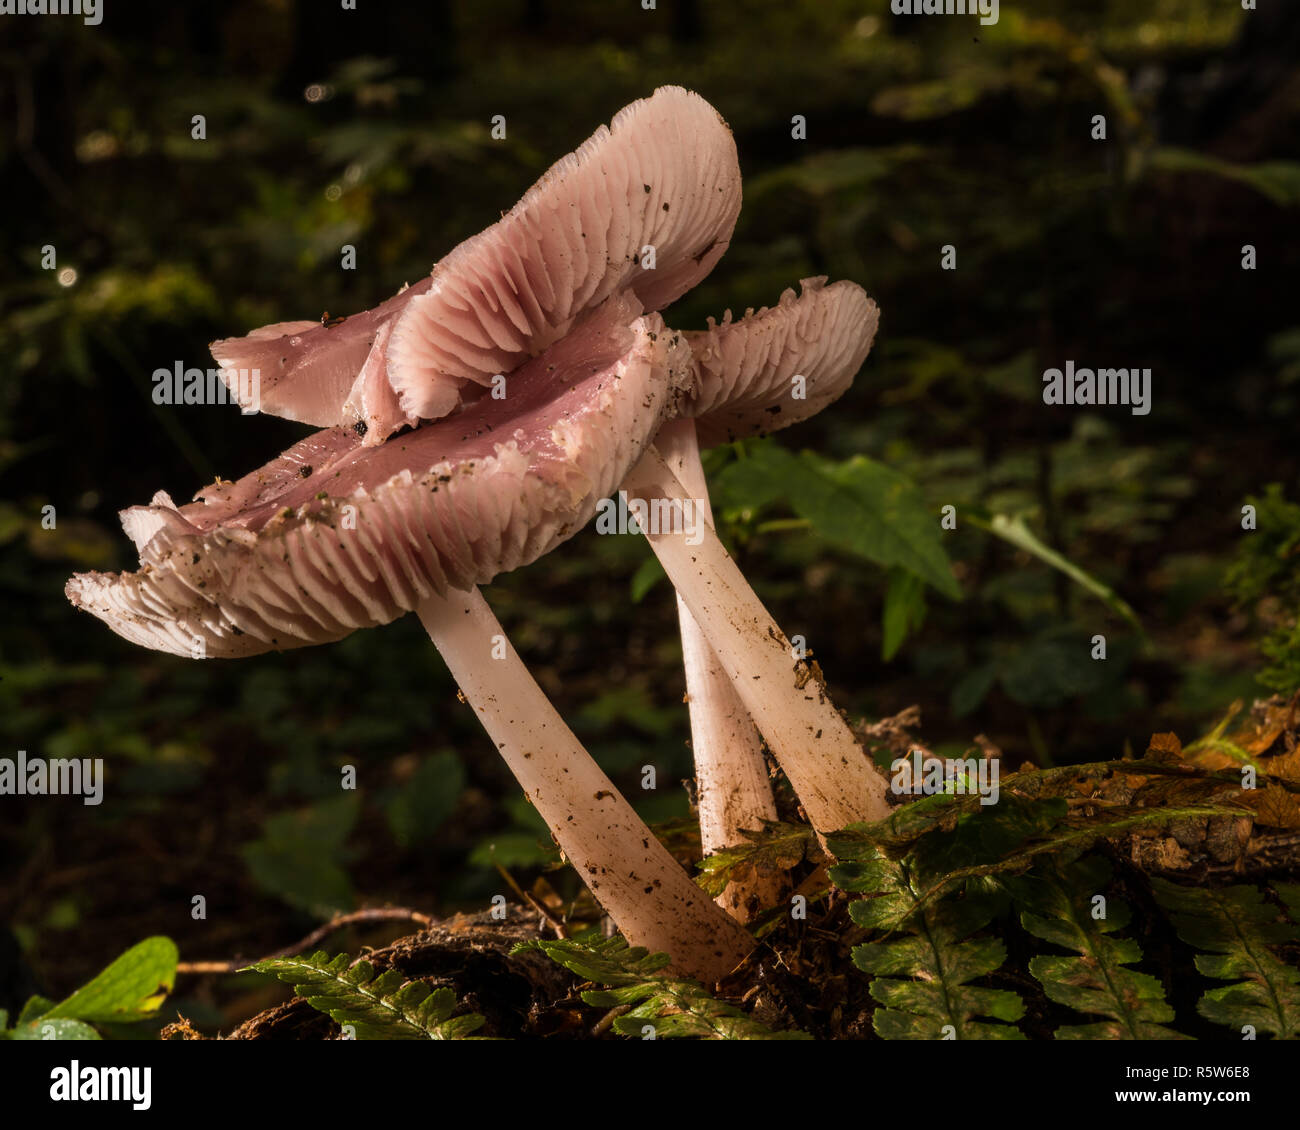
[939, 957]
[1098, 981]
[1289, 893]
[386, 1007]
[777, 846]
[1234, 928]
[674, 1008]
[952, 841]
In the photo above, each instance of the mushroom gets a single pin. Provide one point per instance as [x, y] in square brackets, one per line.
[745, 374]
[662, 181]
[553, 295]
[334, 536]
[646, 206]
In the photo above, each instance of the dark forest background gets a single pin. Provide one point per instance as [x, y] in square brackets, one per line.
[328, 127]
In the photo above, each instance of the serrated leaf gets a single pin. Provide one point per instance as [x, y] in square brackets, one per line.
[950, 840]
[129, 989]
[1235, 927]
[383, 1007]
[607, 961]
[1098, 981]
[1289, 893]
[777, 846]
[938, 956]
[954, 839]
[859, 505]
[1275, 807]
[677, 1008]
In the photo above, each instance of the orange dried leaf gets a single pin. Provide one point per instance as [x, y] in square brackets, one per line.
[1285, 768]
[1278, 808]
[1165, 747]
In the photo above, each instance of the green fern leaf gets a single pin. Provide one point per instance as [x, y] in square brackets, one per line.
[1234, 928]
[777, 846]
[939, 957]
[386, 1007]
[671, 1007]
[1098, 981]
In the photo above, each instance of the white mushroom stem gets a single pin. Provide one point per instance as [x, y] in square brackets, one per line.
[651, 899]
[827, 768]
[732, 785]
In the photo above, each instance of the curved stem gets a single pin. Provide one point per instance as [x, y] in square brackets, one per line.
[732, 784]
[651, 899]
[833, 777]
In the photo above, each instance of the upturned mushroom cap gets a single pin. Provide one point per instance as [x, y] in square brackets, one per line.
[664, 175]
[745, 370]
[333, 536]
[306, 370]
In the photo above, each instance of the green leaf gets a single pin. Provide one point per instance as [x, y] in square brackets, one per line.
[951, 836]
[938, 957]
[859, 505]
[1060, 910]
[676, 1008]
[777, 846]
[425, 801]
[607, 961]
[972, 688]
[513, 849]
[648, 574]
[1051, 669]
[904, 610]
[34, 1008]
[1278, 181]
[299, 856]
[834, 171]
[951, 840]
[129, 989]
[386, 1007]
[1235, 928]
[1264, 566]
[47, 1028]
[1013, 530]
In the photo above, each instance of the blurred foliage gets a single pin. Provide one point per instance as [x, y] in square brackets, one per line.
[372, 128]
[1264, 577]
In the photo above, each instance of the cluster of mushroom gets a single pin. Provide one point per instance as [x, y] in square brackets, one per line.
[474, 422]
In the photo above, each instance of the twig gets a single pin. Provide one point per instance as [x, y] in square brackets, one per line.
[605, 1021]
[373, 914]
[553, 922]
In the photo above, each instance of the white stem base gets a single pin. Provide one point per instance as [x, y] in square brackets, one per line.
[651, 899]
[733, 788]
[834, 780]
